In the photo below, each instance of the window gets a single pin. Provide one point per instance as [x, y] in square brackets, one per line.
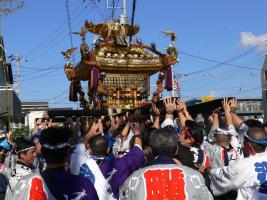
[265, 75]
[241, 106]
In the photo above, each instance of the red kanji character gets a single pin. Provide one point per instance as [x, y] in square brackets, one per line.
[37, 191]
[167, 184]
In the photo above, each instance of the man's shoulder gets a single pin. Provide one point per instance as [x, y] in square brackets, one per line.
[252, 159]
[30, 186]
[167, 168]
[80, 148]
[28, 178]
[163, 178]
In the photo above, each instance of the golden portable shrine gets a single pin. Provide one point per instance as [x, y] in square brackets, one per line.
[118, 71]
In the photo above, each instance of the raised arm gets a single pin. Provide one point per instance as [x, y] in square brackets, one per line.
[94, 130]
[180, 109]
[170, 106]
[187, 114]
[227, 111]
[115, 124]
[236, 119]
[156, 112]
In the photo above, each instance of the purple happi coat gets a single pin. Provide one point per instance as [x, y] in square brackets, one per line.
[119, 169]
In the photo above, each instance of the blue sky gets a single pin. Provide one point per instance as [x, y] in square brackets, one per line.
[207, 29]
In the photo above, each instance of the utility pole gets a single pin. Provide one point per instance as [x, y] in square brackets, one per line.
[176, 81]
[17, 58]
[70, 30]
[7, 7]
[123, 16]
[173, 83]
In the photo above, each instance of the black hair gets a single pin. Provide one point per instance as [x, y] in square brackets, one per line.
[163, 142]
[22, 144]
[104, 122]
[146, 135]
[99, 145]
[54, 136]
[257, 134]
[253, 123]
[196, 131]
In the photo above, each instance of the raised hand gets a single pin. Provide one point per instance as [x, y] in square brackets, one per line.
[45, 115]
[226, 105]
[233, 105]
[170, 105]
[155, 110]
[180, 105]
[94, 130]
[227, 111]
[100, 129]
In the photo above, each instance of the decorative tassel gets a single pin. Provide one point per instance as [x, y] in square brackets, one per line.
[73, 92]
[168, 84]
[94, 78]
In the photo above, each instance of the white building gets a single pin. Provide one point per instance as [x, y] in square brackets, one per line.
[30, 118]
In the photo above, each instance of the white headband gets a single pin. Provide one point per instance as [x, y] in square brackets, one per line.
[53, 147]
[25, 149]
[220, 131]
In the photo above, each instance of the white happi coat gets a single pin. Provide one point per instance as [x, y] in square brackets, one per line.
[14, 175]
[30, 187]
[248, 176]
[165, 181]
[216, 152]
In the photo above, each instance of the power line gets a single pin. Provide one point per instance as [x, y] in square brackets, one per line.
[60, 30]
[41, 75]
[58, 96]
[112, 12]
[222, 88]
[54, 41]
[44, 68]
[218, 62]
[227, 61]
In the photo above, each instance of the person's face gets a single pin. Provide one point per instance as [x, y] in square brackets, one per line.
[27, 157]
[38, 123]
[2, 155]
[222, 139]
[185, 139]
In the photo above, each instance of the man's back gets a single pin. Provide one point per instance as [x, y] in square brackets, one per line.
[119, 169]
[167, 181]
[248, 175]
[54, 184]
[14, 175]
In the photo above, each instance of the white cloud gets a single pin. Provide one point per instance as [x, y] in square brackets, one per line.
[249, 39]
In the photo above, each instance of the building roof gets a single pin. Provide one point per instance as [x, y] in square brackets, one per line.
[35, 103]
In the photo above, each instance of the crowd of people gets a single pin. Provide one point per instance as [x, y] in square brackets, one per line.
[132, 156]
